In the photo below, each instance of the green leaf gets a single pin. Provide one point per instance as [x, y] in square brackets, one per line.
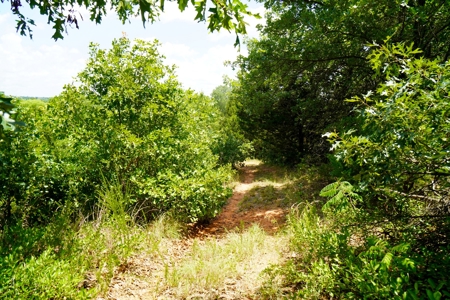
[182, 4]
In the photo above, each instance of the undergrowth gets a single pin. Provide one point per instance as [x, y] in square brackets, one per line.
[285, 187]
[333, 259]
[67, 260]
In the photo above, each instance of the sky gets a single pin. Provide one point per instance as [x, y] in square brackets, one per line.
[40, 67]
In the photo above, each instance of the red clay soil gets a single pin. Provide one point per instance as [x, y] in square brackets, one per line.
[231, 217]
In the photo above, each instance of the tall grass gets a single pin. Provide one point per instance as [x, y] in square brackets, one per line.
[327, 263]
[67, 260]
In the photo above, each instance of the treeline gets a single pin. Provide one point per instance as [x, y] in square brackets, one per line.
[362, 85]
[45, 99]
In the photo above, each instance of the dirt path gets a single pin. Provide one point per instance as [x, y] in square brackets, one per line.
[144, 276]
[269, 217]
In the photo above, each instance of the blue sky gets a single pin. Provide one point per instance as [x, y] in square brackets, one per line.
[40, 67]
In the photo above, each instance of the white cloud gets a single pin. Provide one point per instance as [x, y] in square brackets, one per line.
[202, 71]
[172, 13]
[198, 68]
[221, 35]
[253, 22]
[31, 70]
[177, 50]
[41, 67]
[3, 18]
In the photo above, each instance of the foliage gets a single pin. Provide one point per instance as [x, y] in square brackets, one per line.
[232, 147]
[312, 56]
[335, 261]
[383, 233]
[228, 15]
[120, 146]
[221, 95]
[341, 196]
[6, 110]
[283, 187]
[399, 156]
[126, 122]
[62, 261]
[26, 176]
[370, 265]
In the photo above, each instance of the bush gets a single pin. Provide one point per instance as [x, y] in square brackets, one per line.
[398, 157]
[335, 261]
[126, 121]
[231, 146]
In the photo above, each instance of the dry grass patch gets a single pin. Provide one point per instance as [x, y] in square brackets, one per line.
[210, 268]
[219, 267]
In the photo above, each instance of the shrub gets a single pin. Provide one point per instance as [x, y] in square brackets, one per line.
[126, 121]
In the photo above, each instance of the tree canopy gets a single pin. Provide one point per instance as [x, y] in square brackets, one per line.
[219, 14]
[313, 55]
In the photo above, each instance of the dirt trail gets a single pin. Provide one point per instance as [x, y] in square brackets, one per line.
[142, 277]
[268, 218]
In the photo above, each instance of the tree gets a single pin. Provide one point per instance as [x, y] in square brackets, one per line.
[6, 110]
[313, 55]
[221, 95]
[220, 14]
[384, 231]
[232, 147]
[399, 157]
[125, 127]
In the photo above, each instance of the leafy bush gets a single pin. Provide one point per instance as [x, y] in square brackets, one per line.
[231, 146]
[6, 109]
[33, 184]
[127, 121]
[399, 156]
[333, 260]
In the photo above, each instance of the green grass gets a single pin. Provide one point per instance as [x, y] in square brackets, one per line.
[82, 264]
[66, 260]
[77, 260]
[261, 196]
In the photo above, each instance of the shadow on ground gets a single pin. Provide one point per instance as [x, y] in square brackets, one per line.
[264, 196]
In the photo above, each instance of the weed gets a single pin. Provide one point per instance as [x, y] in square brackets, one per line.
[282, 187]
